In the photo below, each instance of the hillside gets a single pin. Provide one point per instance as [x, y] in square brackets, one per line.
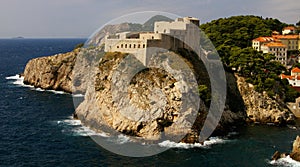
[240, 30]
[232, 38]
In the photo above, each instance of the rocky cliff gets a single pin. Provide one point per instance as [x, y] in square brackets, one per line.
[72, 72]
[51, 72]
[260, 108]
[295, 153]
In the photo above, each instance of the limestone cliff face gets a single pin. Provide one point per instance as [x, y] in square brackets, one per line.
[153, 97]
[260, 108]
[52, 72]
[101, 108]
[295, 154]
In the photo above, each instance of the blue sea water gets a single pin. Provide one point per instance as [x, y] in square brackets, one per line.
[36, 128]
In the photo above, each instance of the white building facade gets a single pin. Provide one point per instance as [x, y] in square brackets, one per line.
[278, 49]
[181, 33]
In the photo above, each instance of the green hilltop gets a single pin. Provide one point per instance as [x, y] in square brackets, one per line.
[232, 38]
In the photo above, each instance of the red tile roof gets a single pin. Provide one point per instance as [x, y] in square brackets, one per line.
[285, 36]
[275, 44]
[296, 70]
[283, 76]
[264, 39]
[289, 28]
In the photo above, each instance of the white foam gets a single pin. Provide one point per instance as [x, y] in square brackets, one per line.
[287, 161]
[77, 95]
[70, 122]
[56, 92]
[18, 80]
[75, 128]
[123, 139]
[292, 127]
[16, 77]
[206, 144]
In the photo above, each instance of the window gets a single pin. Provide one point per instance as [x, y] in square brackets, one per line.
[117, 46]
[144, 45]
[125, 45]
[139, 45]
[133, 45]
[129, 45]
[121, 45]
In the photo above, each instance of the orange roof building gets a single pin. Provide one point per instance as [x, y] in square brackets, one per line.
[294, 78]
[291, 41]
[258, 42]
[289, 30]
[278, 49]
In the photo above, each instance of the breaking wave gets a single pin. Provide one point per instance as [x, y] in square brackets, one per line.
[287, 161]
[18, 80]
[74, 127]
[205, 144]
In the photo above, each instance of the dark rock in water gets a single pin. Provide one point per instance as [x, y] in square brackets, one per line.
[75, 116]
[295, 154]
[277, 155]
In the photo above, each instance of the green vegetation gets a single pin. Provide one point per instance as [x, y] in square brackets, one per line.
[232, 38]
[80, 45]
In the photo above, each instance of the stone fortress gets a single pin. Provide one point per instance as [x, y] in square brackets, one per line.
[181, 33]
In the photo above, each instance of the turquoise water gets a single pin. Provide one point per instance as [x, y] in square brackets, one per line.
[36, 128]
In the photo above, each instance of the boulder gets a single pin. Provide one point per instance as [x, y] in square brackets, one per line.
[295, 154]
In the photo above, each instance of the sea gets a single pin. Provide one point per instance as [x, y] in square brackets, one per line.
[37, 129]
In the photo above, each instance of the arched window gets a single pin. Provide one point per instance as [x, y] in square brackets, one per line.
[121, 45]
[129, 45]
[125, 45]
[144, 45]
[139, 45]
[133, 45]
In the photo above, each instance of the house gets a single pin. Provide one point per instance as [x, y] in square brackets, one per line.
[258, 42]
[181, 33]
[291, 41]
[278, 49]
[289, 30]
[294, 78]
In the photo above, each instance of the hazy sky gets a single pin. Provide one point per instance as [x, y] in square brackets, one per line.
[80, 18]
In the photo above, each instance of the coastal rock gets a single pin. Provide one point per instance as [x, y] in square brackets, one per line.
[52, 72]
[107, 103]
[277, 155]
[72, 72]
[295, 154]
[260, 108]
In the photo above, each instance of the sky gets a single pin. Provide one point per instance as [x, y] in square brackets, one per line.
[81, 18]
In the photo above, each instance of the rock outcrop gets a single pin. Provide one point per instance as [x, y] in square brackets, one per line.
[260, 108]
[51, 72]
[73, 71]
[295, 154]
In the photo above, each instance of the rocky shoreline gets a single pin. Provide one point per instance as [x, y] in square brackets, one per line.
[294, 154]
[243, 103]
